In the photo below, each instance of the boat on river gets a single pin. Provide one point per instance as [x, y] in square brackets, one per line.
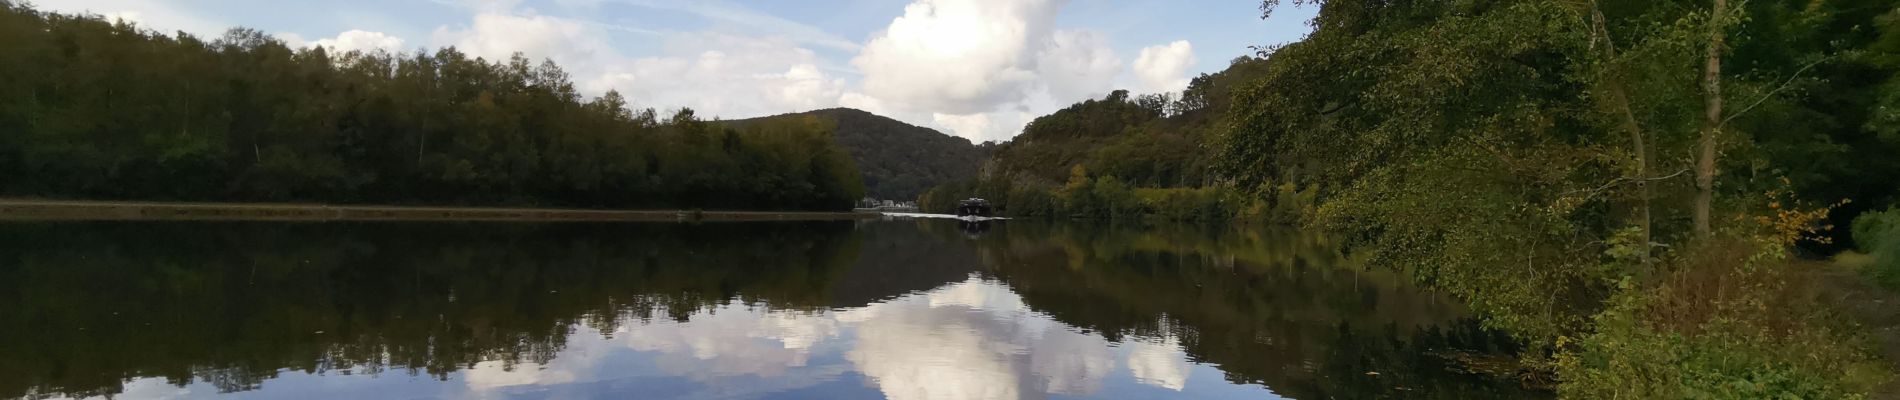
[973, 207]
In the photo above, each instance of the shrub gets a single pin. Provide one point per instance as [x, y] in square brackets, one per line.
[1878, 234]
[1722, 323]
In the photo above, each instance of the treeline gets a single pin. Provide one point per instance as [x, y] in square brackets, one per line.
[106, 110]
[1108, 197]
[899, 160]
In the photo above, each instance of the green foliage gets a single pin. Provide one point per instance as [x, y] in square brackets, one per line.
[1481, 145]
[94, 109]
[1147, 141]
[1627, 358]
[1878, 234]
[1725, 324]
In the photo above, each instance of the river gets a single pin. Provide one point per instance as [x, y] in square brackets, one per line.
[896, 308]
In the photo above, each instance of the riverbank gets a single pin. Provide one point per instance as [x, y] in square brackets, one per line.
[16, 209]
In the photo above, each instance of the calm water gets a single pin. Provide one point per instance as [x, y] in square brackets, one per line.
[905, 309]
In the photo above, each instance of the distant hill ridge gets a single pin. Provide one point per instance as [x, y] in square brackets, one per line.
[899, 160]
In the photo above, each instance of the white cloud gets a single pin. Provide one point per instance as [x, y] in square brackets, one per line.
[969, 125]
[733, 342]
[1159, 364]
[1163, 68]
[1078, 64]
[126, 16]
[292, 40]
[359, 40]
[147, 14]
[725, 75]
[715, 73]
[1071, 363]
[981, 69]
[497, 36]
[487, 375]
[957, 56]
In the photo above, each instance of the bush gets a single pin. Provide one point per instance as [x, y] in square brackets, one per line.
[1723, 323]
[1878, 234]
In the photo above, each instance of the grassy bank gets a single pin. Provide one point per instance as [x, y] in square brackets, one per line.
[112, 210]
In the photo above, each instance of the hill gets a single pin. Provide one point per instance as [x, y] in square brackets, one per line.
[1151, 140]
[899, 160]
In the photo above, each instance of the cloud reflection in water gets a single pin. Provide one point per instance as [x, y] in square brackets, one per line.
[973, 339]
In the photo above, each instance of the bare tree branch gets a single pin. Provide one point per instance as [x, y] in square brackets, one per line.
[1621, 181]
[1778, 89]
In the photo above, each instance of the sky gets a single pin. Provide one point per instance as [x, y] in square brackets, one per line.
[979, 69]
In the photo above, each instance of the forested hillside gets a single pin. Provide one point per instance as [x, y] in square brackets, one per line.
[1147, 140]
[1622, 185]
[899, 160]
[1119, 156]
[105, 110]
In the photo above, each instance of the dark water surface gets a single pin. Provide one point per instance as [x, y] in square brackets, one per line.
[904, 309]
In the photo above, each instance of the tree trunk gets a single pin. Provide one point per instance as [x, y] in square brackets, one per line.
[1711, 121]
[1619, 98]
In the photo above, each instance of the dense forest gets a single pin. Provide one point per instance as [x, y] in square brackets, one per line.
[1120, 156]
[105, 110]
[1639, 191]
[899, 160]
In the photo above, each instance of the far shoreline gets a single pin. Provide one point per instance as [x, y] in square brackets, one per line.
[94, 210]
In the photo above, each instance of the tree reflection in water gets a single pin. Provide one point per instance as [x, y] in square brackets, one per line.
[1018, 310]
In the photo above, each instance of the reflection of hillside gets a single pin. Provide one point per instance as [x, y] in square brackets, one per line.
[1272, 307]
[92, 305]
[899, 258]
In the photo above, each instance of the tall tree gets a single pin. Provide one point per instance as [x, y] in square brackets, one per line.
[1711, 118]
[1619, 100]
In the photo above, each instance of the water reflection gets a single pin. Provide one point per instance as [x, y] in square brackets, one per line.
[896, 309]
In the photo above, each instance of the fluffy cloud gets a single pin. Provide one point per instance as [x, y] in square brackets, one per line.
[1159, 364]
[1078, 64]
[726, 75]
[967, 340]
[957, 56]
[148, 14]
[733, 342]
[132, 17]
[1163, 68]
[487, 375]
[715, 73]
[966, 125]
[354, 40]
[980, 68]
[496, 36]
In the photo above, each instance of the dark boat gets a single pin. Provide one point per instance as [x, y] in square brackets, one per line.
[973, 207]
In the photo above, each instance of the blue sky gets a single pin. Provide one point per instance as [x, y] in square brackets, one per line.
[975, 68]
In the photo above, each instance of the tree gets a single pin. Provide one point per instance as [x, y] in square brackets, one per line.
[1711, 119]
